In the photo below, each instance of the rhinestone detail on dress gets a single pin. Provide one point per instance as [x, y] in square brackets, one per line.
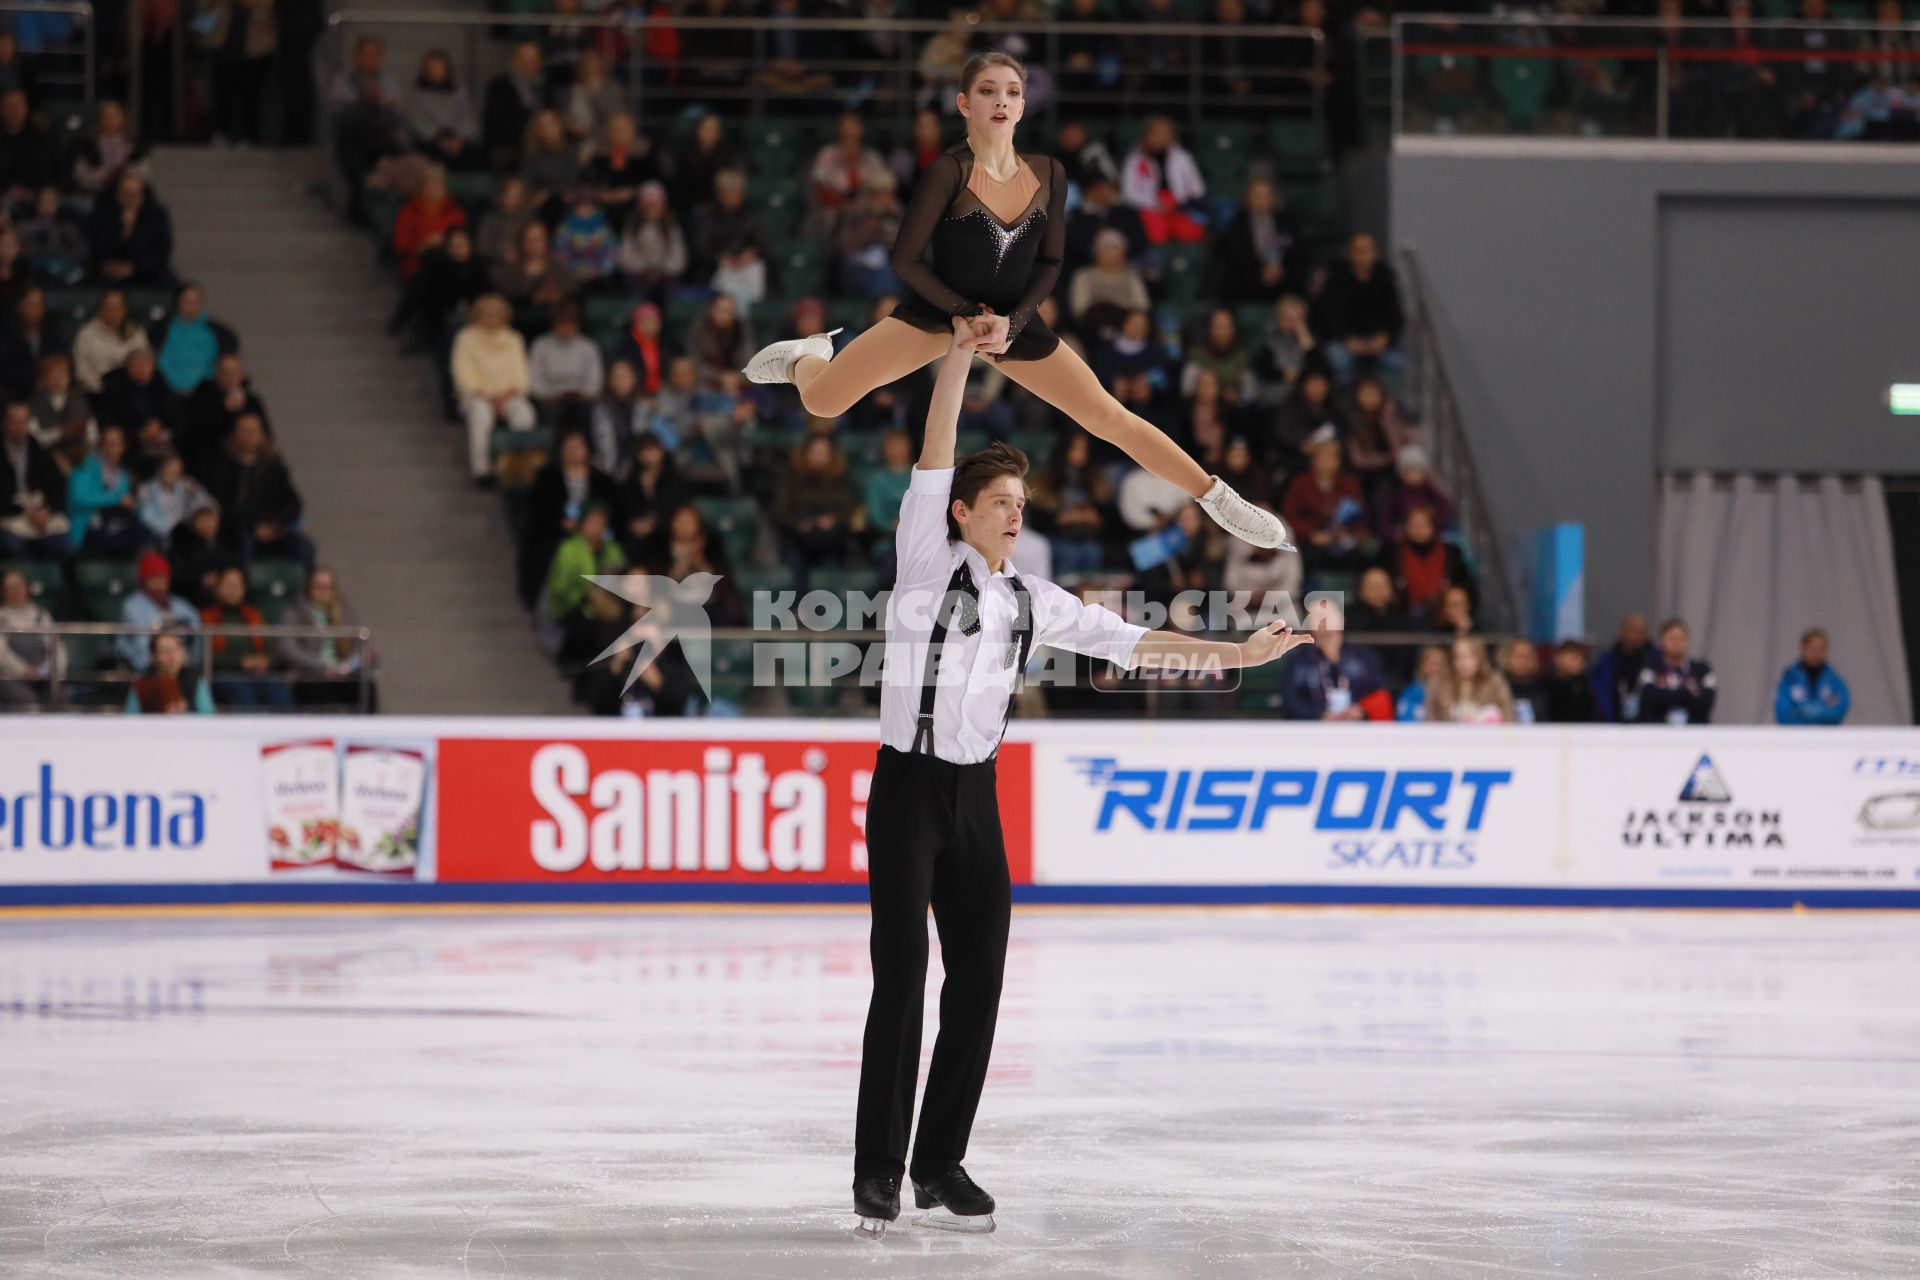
[1004, 238]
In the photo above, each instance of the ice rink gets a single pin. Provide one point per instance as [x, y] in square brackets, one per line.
[1174, 1093]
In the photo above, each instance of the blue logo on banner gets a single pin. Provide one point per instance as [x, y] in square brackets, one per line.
[102, 821]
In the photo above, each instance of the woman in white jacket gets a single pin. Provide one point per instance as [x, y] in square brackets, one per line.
[31, 665]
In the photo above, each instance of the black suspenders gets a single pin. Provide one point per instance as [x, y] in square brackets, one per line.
[965, 611]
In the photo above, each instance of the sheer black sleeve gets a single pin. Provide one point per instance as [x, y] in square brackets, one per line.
[936, 191]
[1053, 252]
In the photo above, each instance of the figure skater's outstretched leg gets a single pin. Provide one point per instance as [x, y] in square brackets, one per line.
[1064, 381]
[830, 385]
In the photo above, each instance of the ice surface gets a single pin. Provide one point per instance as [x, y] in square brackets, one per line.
[1174, 1093]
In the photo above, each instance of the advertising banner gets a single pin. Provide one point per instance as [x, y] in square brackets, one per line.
[682, 810]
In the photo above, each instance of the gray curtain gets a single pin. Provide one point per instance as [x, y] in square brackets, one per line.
[1750, 562]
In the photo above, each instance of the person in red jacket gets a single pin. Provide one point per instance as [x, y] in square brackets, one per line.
[1325, 508]
[242, 665]
[424, 221]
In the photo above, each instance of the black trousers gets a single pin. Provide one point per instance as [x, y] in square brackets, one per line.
[933, 838]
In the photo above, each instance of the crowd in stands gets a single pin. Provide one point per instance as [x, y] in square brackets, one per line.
[139, 479]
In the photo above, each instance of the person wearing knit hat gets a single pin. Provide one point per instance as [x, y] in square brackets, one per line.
[152, 606]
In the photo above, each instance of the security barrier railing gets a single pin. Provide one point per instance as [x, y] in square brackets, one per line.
[1741, 78]
[79, 665]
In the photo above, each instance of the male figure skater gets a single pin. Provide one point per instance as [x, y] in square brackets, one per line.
[960, 626]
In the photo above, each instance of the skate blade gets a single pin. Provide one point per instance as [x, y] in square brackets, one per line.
[871, 1228]
[942, 1220]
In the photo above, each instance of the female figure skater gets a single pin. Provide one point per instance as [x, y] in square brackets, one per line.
[996, 221]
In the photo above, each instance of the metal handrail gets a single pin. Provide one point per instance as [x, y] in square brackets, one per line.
[57, 631]
[1453, 453]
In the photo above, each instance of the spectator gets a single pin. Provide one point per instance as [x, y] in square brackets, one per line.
[1411, 706]
[195, 553]
[653, 252]
[1467, 690]
[1333, 680]
[491, 379]
[842, 169]
[167, 685]
[791, 68]
[212, 410]
[1131, 354]
[814, 505]
[1090, 60]
[109, 150]
[1674, 688]
[564, 372]
[1212, 424]
[243, 37]
[1085, 159]
[1325, 509]
[62, 419]
[498, 238]
[684, 545]
[132, 237]
[728, 237]
[1269, 576]
[863, 239]
[34, 521]
[593, 100]
[366, 100]
[257, 497]
[1181, 558]
[242, 665]
[648, 491]
[1412, 488]
[189, 343]
[720, 342]
[101, 506]
[535, 283]
[424, 221]
[513, 97]
[1520, 664]
[714, 434]
[1570, 690]
[137, 398]
[698, 164]
[922, 147]
[623, 165]
[549, 164]
[169, 498]
[1073, 500]
[1423, 566]
[1360, 315]
[1242, 471]
[561, 492]
[886, 485]
[1456, 612]
[31, 665]
[52, 243]
[437, 298]
[440, 114]
[618, 418]
[1810, 691]
[1378, 611]
[150, 608]
[666, 686]
[29, 157]
[1375, 436]
[1307, 412]
[583, 243]
[1256, 260]
[1101, 208]
[646, 349]
[25, 340]
[1219, 352]
[1105, 290]
[327, 667]
[1616, 673]
[1162, 182]
[587, 553]
[105, 341]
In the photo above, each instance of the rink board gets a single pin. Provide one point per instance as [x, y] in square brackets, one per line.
[469, 810]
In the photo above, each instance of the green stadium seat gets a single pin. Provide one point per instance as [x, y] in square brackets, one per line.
[1446, 82]
[682, 314]
[66, 117]
[1185, 273]
[1255, 320]
[104, 586]
[970, 441]
[472, 191]
[46, 583]
[861, 447]
[800, 265]
[1038, 445]
[274, 585]
[606, 313]
[72, 308]
[849, 314]
[769, 582]
[1299, 146]
[1316, 208]
[841, 581]
[1522, 85]
[736, 520]
[769, 316]
[779, 203]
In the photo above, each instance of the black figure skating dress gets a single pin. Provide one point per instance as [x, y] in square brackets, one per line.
[978, 259]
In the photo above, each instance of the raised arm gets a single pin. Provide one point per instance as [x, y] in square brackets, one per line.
[938, 186]
[943, 416]
[1053, 252]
